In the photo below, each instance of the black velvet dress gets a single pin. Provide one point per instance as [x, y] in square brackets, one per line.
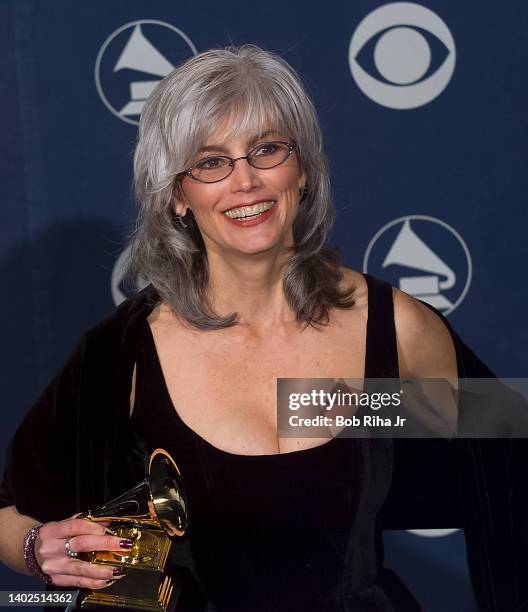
[478, 485]
[282, 532]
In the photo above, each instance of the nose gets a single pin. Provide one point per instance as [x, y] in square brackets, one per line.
[244, 177]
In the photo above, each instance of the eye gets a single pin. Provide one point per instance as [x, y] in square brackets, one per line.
[211, 163]
[267, 148]
[402, 55]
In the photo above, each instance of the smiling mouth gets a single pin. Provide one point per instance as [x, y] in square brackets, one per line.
[249, 212]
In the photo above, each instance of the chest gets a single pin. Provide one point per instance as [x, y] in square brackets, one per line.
[224, 386]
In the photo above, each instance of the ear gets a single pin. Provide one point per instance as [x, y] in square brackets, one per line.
[302, 182]
[178, 200]
[303, 186]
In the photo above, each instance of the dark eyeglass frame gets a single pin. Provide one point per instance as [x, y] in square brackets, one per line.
[291, 148]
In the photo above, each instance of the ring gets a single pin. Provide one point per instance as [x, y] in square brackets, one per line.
[71, 553]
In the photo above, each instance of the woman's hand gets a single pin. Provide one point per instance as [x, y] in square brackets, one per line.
[77, 535]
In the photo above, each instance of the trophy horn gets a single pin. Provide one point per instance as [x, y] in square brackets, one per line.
[167, 493]
[158, 500]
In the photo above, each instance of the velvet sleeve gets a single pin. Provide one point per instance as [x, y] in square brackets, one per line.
[40, 473]
[478, 484]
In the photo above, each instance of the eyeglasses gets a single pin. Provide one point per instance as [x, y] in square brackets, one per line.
[263, 156]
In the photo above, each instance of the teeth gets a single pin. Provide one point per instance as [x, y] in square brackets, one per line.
[249, 211]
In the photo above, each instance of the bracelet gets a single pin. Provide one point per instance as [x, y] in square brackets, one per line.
[29, 555]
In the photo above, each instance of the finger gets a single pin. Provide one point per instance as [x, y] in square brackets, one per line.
[56, 549]
[70, 527]
[75, 567]
[88, 543]
[78, 581]
[91, 520]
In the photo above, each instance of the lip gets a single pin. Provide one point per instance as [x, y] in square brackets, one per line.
[262, 218]
[252, 203]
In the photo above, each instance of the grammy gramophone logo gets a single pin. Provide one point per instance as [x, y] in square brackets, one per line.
[424, 257]
[133, 60]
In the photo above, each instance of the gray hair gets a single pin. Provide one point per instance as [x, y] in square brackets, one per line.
[257, 90]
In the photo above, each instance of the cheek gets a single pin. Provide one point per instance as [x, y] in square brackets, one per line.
[200, 198]
[289, 180]
[292, 191]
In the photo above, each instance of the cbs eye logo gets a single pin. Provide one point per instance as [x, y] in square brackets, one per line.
[408, 51]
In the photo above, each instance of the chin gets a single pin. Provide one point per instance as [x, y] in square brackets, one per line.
[257, 249]
[254, 247]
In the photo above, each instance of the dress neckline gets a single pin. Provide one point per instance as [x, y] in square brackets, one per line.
[151, 343]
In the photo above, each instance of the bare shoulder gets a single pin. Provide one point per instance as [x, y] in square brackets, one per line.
[425, 346]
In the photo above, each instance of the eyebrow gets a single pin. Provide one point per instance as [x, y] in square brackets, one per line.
[253, 140]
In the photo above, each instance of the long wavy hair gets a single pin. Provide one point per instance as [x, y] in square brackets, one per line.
[257, 90]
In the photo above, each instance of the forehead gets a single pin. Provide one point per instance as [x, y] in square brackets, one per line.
[241, 123]
[221, 141]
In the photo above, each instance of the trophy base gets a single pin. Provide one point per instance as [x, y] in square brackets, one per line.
[139, 590]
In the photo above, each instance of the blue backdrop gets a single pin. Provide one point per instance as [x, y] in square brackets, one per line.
[423, 107]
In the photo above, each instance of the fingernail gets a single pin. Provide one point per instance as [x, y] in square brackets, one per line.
[119, 571]
[126, 544]
[110, 581]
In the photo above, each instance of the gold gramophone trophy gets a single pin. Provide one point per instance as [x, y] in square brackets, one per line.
[151, 514]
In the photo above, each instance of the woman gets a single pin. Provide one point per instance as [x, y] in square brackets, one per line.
[234, 213]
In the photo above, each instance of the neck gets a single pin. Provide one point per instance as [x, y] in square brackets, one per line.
[251, 286]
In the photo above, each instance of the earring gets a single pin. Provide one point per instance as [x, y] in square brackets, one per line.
[180, 221]
[303, 192]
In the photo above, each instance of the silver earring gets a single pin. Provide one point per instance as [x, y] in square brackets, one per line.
[180, 221]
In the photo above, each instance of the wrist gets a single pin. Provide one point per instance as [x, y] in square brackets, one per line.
[29, 555]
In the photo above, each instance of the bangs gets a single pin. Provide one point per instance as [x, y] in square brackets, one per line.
[255, 111]
[234, 96]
